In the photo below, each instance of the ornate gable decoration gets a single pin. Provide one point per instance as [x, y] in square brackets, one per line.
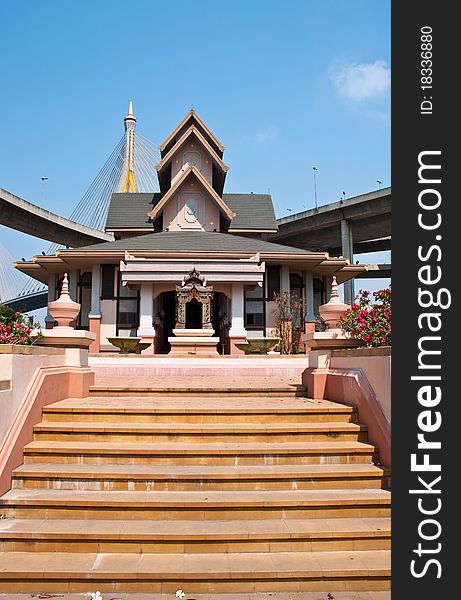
[193, 118]
[191, 132]
[186, 171]
[193, 287]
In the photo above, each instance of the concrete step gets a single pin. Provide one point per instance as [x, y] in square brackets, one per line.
[193, 505]
[211, 573]
[193, 477]
[224, 390]
[331, 452]
[189, 433]
[194, 537]
[193, 410]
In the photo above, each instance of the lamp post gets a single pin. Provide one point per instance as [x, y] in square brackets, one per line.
[43, 187]
[314, 169]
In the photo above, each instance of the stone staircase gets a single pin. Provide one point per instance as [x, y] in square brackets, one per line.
[210, 490]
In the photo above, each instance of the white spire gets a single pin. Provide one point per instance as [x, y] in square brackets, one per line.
[130, 116]
[128, 181]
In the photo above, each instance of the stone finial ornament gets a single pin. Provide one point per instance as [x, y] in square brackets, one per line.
[64, 310]
[334, 309]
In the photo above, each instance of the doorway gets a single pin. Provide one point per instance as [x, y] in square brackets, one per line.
[194, 318]
[166, 320]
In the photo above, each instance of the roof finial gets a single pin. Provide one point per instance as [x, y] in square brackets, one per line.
[334, 290]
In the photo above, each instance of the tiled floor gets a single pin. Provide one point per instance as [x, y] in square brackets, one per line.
[262, 596]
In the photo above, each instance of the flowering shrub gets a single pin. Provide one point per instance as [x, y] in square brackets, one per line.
[370, 321]
[13, 327]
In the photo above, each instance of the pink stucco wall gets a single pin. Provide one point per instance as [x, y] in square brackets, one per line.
[361, 381]
[193, 153]
[38, 377]
[175, 216]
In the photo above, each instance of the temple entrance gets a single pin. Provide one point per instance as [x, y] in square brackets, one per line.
[193, 290]
[194, 314]
[166, 320]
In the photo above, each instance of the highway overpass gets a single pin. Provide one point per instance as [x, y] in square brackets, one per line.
[351, 226]
[24, 216]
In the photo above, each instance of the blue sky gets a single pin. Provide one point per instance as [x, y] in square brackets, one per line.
[284, 86]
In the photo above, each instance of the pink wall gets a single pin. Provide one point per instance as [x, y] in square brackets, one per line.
[193, 153]
[49, 385]
[38, 376]
[376, 366]
[350, 386]
[176, 218]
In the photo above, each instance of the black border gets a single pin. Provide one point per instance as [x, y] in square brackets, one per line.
[412, 133]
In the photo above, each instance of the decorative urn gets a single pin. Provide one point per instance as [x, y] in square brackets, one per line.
[334, 309]
[64, 310]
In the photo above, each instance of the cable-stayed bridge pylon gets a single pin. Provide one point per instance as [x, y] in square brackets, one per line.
[130, 168]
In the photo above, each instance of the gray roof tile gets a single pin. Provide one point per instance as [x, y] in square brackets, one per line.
[252, 211]
[129, 211]
[195, 241]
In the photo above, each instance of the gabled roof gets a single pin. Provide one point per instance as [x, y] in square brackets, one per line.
[193, 245]
[191, 116]
[195, 241]
[253, 212]
[129, 211]
[192, 130]
[178, 181]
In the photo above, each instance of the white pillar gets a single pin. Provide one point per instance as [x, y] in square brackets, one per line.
[95, 311]
[328, 282]
[237, 312]
[73, 276]
[309, 296]
[146, 310]
[285, 279]
[49, 321]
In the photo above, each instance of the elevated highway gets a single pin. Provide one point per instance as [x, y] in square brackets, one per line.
[351, 226]
[24, 216]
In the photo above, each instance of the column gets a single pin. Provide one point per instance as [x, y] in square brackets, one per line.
[94, 316]
[237, 332]
[73, 276]
[328, 282]
[309, 318]
[49, 321]
[146, 328]
[285, 278]
[347, 245]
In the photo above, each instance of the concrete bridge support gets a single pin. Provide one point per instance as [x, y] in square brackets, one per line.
[347, 245]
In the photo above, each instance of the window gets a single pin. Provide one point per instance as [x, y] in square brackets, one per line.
[296, 289]
[254, 308]
[273, 281]
[191, 210]
[107, 288]
[84, 284]
[127, 309]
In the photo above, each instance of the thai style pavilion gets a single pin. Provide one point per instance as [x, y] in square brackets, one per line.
[190, 257]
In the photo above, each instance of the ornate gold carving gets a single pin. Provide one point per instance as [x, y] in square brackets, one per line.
[193, 287]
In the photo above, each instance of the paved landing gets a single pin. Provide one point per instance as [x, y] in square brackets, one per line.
[261, 596]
